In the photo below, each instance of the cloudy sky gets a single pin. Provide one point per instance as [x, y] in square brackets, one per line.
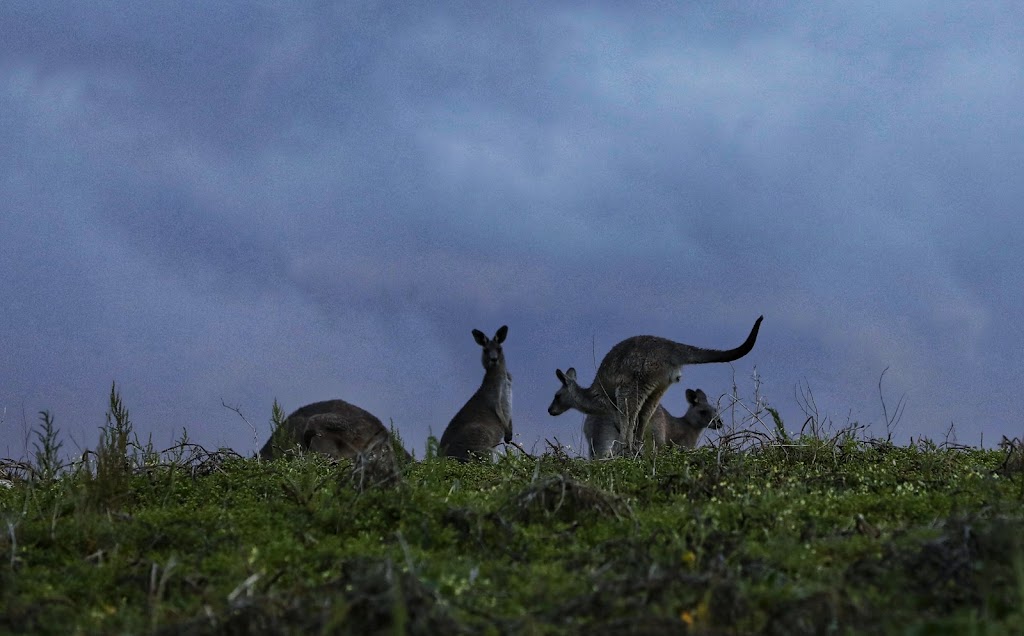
[214, 202]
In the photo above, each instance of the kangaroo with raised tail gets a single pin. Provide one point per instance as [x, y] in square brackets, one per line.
[486, 419]
[332, 427]
[633, 377]
[602, 435]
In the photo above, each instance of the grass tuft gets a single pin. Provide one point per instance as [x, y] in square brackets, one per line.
[47, 449]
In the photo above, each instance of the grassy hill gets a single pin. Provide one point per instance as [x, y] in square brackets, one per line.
[808, 535]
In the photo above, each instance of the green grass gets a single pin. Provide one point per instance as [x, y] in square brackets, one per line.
[810, 536]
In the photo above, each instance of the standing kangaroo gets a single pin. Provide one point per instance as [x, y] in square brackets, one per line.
[633, 377]
[486, 418]
[333, 427]
[602, 434]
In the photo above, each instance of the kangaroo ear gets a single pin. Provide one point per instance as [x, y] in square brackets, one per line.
[499, 337]
[480, 338]
[571, 373]
[560, 376]
[701, 395]
[691, 396]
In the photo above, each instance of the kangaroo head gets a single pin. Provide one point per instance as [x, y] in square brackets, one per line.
[565, 397]
[492, 355]
[701, 414]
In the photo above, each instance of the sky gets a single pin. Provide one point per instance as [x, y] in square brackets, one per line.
[222, 204]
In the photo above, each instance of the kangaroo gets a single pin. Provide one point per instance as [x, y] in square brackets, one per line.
[333, 427]
[685, 431]
[602, 435]
[633, 377]
[486, 418]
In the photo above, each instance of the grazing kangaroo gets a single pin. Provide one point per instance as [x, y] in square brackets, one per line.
[602, 434]
[486, 418]
[333, 427]
[633, 377]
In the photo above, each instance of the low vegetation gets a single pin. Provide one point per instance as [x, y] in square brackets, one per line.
[777, 534]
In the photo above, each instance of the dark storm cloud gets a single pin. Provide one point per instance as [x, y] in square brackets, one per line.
[246, 201]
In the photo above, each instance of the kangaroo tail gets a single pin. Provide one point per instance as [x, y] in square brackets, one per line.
[696, 355]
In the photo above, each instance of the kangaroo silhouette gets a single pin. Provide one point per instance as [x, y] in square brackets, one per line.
[331, 427]
[486, 419]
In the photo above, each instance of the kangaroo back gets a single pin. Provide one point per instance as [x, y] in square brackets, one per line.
[343, 438]
[332, 427]
[653, 359]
